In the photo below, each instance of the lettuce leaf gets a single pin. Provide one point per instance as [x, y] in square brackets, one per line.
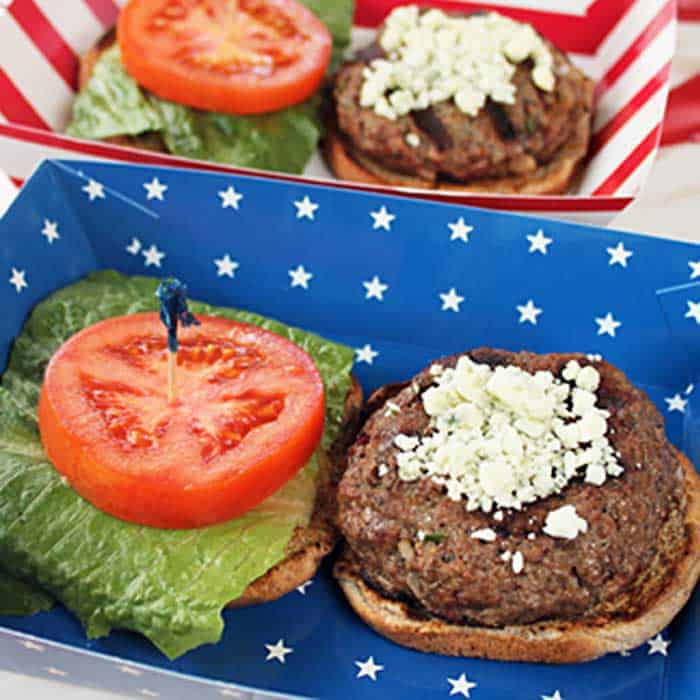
[20, 598]
[168, 585]
[113, 104]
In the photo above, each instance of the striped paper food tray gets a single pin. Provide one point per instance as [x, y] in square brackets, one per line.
[626, 45]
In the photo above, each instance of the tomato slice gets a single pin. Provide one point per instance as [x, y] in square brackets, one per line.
[249, 414]
[233, 56]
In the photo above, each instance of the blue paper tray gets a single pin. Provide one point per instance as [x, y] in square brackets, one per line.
[105, 216]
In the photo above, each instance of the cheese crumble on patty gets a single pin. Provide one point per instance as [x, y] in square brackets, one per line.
[433, 57]
[503, 437]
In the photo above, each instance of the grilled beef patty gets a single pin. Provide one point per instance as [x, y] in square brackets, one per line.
[501, 140]
[635, 534]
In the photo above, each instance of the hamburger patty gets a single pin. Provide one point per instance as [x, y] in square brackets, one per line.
[635, 534]
[501, 140]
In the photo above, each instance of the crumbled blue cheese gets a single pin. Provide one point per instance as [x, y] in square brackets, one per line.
[502, 437]
[485, 535]
[518, 563]
[433, 57]
[413, 140]
[391, 409]
[382, 470]
[564, 523]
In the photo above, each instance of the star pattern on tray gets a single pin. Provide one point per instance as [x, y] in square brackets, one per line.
[368, 668]
[18, 279]
[528, 313]
[619, 255]
[555, 696]
[129, 670]
[155, 189]
[278, 651]
[50, 231]
[306, 209]
[694, 266]
[451, 300]
[658, 645]
[693, 310]
[134, 248]
[459, 230]
[607, 325]
[676, 403]
[52, 670]
[382, 219]
[230, 198]
[366, 354]
[375, 289]
[461, 686]
[300, 277]
[225, 267]
[94, 190]
[152, 257]
[539, 243]
[302, 589]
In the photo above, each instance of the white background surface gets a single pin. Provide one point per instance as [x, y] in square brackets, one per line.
[669, 207]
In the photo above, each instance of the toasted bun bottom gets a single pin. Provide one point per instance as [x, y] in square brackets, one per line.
[309, 544]
[556, 177]
[556, 641]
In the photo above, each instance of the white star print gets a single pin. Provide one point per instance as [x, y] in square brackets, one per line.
[676, 403]
[539, 243]
[658, 645]
[32, 646]
[50, 231]
[368, 668]
[461, 685]
[277, 651]
[94, 190]
[155, 189]
[689, 389]
[694, 269]
[303, 587]
[366, 354]
[56, 671]
[528, 312]
[382, 219]
[619, 255]
[556, 696]
[460, 231]
[134, 247]
[306, 208]
[300, 277]
[230, 198]
[451, 300]
[693, 310]
[18, 279]
[375, 288]
[130, 670]
[225, 267]
[607, 325]
[152, 256]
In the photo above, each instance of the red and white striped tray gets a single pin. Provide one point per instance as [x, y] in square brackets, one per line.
[626, 45]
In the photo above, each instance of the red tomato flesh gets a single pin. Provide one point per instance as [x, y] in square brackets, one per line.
[232, 56]
[249, 414]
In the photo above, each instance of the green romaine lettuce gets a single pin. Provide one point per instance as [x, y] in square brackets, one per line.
[113, 104]
[20, 598]
[168, 585]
